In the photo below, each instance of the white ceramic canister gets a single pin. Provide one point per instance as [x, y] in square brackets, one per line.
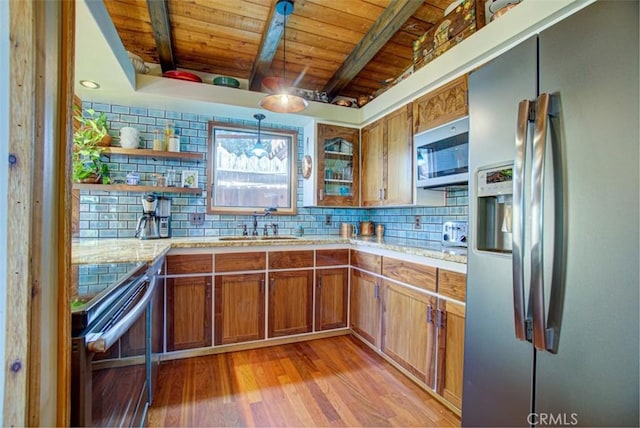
[129, 138]
[174, 143]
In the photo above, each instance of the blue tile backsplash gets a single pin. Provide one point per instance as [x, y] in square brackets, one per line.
[109, 214]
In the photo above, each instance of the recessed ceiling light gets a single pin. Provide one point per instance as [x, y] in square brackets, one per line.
[89, 84]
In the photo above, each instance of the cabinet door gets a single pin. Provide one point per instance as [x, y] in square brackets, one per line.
[373, 148]
[451, 317]
[365, 306]
[331, 298]
[338, 173]
[409, 330]
[397, 188]
[188, 312]
[290, 302]
[239, 301]
[447, 103]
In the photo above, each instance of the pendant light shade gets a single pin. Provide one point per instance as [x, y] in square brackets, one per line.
[284, 102]
[258, 149]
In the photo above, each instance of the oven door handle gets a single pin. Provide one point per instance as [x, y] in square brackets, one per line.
[105, 340]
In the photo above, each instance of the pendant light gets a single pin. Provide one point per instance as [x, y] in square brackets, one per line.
[284, 102]
[258, 149]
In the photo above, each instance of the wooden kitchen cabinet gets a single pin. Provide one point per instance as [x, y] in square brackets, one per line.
[239, 297]
[365, 306]
[290, 302]
[447, 103]
[387, 160]
[335, 174]
[331, 298]
[188, 312]
[450, 322]
[409, 333]
[239, 308]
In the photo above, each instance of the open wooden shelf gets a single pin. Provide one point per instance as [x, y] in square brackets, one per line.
[128, 188]
[154, 153]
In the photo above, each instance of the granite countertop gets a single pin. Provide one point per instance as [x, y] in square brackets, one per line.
[115, 250]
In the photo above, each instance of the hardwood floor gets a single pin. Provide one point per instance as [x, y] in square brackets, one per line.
[326, 382]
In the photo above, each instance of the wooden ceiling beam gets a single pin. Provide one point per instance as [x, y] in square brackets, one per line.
[268, 48]
[159, 14]
[389, 22]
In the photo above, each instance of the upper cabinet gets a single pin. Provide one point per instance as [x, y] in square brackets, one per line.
[387, 167]
[334, 175]
[440, 106]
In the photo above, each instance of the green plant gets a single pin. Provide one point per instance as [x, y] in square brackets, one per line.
[88, 164]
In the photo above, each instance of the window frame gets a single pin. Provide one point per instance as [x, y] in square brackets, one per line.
[211, 165]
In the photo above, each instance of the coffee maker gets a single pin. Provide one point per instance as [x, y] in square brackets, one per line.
[163, 216]
[147, 227]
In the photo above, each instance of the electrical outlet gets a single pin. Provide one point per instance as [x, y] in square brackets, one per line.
[327, 220]
[417, 222]
[196, 219]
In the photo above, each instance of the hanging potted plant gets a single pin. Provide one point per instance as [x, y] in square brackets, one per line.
[88, 142]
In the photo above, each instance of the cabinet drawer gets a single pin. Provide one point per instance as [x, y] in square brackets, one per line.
[410, 273]
[366, 261]
[189, 263]
[452, 284]
[235, 262]
[332, 257]
[290, 259]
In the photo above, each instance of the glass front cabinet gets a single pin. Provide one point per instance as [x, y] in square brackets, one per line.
[335, 172]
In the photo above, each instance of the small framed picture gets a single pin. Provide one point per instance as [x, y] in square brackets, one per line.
[189, 178]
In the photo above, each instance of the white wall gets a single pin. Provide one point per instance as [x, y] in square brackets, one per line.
[4, 154]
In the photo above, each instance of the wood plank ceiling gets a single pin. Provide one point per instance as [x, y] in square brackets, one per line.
[342, 47]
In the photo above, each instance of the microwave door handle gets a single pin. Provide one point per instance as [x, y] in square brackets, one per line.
[518, 220]
[104, 341]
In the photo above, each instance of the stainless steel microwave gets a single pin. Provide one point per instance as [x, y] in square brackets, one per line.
[442, 155]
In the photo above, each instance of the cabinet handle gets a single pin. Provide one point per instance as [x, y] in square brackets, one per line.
[441, 319]
[272, 283]
[384, 194]
[376, 290]
[321, 194]
[380, 194]
[262, 286]
[429, 314]
[319, 283]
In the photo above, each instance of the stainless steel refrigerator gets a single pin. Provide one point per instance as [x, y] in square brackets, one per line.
[552, 327]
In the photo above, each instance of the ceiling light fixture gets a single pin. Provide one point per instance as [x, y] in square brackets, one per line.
[90, 84]
[258, 149]
[284, 102]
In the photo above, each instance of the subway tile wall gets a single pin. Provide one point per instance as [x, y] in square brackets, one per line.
[109, 214]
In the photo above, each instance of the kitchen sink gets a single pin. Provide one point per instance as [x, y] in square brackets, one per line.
[258, 238]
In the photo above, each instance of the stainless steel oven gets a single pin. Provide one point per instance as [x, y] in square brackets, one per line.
[112, 366]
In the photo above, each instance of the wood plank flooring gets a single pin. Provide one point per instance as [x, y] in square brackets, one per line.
[326, 382]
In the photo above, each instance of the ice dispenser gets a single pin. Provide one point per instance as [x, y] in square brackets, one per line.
[495, 198]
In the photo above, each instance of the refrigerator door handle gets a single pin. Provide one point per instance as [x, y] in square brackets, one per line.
[518, 220]
[544, 338]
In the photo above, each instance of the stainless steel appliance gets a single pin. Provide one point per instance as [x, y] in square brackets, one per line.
[114, 344]
[551, 334]
[454, 233]
[442, 155]
[163, 216]
[147, 227]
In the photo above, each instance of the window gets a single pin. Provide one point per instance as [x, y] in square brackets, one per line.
[251, 174]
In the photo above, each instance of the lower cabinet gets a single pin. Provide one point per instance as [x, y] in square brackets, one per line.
[365, 306]
[239, 308]
[331, 298]
[290, 302]
[450, 320]
[409, 334]
[188, 312]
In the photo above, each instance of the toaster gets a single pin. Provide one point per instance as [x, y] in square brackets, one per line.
[454, 233]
